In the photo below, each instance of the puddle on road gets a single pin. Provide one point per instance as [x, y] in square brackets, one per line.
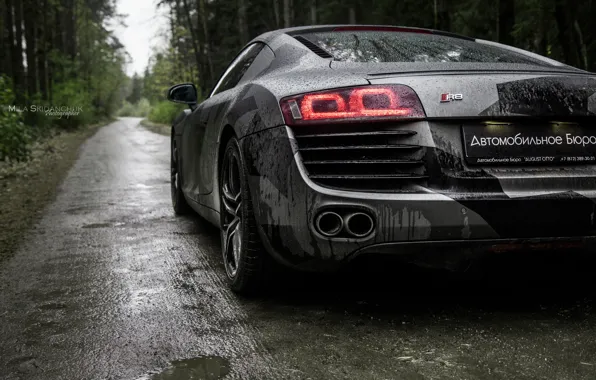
[200, 368]
[97, 225]
[103, 225]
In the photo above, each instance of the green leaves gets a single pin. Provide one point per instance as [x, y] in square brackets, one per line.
[164, 112]
[74, 71]
[14, 134]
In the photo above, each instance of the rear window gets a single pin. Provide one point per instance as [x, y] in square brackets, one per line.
[384, 46]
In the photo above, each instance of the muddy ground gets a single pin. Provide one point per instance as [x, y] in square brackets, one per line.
[111, 285]
[162, 129]
[27, 187]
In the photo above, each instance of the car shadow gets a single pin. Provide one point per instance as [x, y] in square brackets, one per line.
[521, 282]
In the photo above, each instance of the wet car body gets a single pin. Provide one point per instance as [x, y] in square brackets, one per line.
[452, 179]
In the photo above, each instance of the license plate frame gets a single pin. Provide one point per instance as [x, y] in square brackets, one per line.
[510, 144]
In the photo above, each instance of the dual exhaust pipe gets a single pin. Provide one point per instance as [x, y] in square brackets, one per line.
[356, 224]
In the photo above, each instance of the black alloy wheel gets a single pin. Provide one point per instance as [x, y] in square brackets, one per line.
[179, 203]
[247, 264]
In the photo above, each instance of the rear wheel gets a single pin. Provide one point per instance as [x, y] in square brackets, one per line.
[179, 203]
[247, 265]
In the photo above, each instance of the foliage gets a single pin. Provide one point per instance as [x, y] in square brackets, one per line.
[160, 76]
[127, 109]
[136, 90]
[205, 35]
[165, 112]
[14, 135]
[73, 94]
[66, 54]
[39, 125]
[139, 109]
[65, 66]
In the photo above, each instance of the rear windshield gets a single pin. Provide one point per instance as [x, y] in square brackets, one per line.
[384, 46]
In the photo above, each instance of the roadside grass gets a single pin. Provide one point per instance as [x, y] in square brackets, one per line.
[27, 187]
[162, 129]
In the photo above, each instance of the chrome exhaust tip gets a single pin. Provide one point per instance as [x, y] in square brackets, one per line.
[329, 223]
[359, 224]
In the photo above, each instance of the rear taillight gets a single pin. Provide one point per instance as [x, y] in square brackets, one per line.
[366, 103]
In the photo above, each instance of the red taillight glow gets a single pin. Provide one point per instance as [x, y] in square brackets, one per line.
[369, 103]
[307, 107]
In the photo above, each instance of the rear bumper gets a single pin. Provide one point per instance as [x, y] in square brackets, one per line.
[287, 203]
[433, 231]
[473, 248]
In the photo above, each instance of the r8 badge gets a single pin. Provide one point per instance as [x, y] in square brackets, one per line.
[451, 97]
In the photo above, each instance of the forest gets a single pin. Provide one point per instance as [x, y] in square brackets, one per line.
[61, 52]
[56, 54]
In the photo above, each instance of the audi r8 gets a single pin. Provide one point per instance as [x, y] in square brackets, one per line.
[322, 144]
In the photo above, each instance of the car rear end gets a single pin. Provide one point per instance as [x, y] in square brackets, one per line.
[455, 147]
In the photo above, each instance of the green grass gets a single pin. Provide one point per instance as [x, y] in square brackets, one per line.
[165, 112]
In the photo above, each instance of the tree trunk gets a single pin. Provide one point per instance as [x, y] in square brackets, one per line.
[313, 12]
[56, 38]
[506, 21]
[18, 24]
[185, 48]
[195, 43]
[276, 12]
[207, 52]
[565, 35]
[5, 43]
[352, 16]
[15, 36]
[176, 66]
[498, 24]
[41, 51]
[242, 25]
[70, 23]
[541, 41]
[286, 13]
[581, 46]
[8, 30]
[179, 47]
[203, 74]
[436, 14]
[442, 15]
[87, 40]
[31, 48]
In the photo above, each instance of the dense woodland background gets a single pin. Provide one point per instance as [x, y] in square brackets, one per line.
[62, 52]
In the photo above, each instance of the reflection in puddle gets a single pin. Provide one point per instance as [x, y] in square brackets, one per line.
[200, 368]
[97, 225]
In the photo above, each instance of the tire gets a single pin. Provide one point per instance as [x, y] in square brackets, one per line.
[248, 266]
[179, 203]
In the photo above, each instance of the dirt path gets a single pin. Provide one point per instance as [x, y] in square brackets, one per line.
[27, 187]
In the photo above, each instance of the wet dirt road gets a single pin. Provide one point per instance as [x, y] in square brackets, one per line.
[111, 285]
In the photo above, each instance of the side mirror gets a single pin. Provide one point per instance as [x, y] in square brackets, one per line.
[185, 93]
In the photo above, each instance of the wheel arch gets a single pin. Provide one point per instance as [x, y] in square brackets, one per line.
[226, 134]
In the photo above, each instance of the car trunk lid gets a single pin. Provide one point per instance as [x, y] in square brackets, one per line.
[472, 90]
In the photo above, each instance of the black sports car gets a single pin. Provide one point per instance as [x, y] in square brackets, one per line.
[322, 144]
